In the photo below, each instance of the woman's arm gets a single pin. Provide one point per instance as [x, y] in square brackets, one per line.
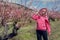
[48, 26]
[35, 16]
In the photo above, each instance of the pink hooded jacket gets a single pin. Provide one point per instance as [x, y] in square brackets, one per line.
[42, 23]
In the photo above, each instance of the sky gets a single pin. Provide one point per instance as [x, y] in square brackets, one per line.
[38, 4]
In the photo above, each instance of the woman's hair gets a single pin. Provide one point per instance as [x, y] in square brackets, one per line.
[42, 10]
[15, 22]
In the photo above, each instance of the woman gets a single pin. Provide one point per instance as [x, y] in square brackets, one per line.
[43, 25]
[16, 27]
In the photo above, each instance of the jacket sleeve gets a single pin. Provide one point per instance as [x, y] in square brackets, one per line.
[35, 16]
[48, 25]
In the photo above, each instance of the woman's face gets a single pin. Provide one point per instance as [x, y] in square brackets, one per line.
[43, 12]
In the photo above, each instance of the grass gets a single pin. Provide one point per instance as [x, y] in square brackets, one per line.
[29, 33]
[55, 26]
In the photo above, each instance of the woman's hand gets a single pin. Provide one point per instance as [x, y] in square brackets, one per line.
[49, 33]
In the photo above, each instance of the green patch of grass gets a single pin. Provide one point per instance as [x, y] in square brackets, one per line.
[29, 32]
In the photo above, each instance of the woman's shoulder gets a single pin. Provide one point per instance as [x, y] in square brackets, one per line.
[46, 18]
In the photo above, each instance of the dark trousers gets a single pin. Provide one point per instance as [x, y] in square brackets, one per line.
[41, 34]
